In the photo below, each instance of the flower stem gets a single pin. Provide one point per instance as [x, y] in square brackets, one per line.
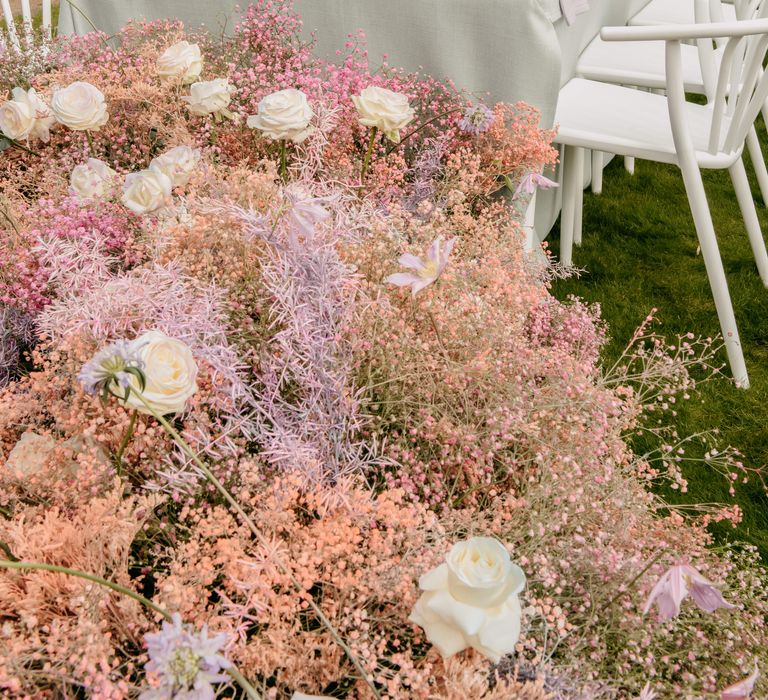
[182, 443]
[14, 142]
[419, 128]
[38, 566]
[90, 143]
[368, 154]
[437, 333]
[283, 161]
[629, 585]
[126, 439]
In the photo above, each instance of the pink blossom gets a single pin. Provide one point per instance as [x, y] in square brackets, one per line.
[531, 181]
[676, 584]
[741, 690]
[425, 272]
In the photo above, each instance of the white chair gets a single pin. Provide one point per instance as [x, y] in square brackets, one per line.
[667, 129]
[642, 64]
[26, 20]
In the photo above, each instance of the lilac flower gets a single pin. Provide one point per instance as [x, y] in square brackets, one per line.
[425, 272]
[477, 119]
[114, 364]
[741, 690]
[647, 693]
[531, 181]
[676, 584]
[187, 664]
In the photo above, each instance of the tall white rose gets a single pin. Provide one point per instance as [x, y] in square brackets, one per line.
[25, 115]
[472, 600]
[80, 106]
[170, 373]
[210, 97]
[285, 114]
[92, 179]
[182, 60]
[146, 191]
[178, 164]
[384, 109]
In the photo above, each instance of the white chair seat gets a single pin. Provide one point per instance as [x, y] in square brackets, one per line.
[624, 121]
[658, 12]
[639, 63]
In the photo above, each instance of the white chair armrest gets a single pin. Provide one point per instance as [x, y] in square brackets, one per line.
[684, 32]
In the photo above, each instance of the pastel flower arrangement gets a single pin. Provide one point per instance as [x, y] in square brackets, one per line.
[237, 460]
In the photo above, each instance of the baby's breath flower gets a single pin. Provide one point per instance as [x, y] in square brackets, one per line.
[186, 663]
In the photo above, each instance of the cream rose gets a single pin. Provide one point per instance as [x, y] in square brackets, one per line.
[146, 191]
[472, 600]
[92, 179]
[25, 115]
[210, 97]
[80, 106]
[170, 373]
[384, 109]
[182, 60]
[285, 114]
[178, 164]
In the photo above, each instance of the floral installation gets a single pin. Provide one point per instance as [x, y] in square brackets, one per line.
[237, 460]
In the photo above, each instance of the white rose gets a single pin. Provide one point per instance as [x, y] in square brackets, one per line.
[182, 60]
[285, 114]
[80, 106]
[146, 191]
[25, 115]
[472, 600]
[178, 164]
[210, 97]
[92, 179]
[170, 373]
[384, 109]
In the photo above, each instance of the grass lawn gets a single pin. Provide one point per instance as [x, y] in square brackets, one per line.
[639, 252]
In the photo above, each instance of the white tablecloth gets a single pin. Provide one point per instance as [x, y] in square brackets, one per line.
[512, 49]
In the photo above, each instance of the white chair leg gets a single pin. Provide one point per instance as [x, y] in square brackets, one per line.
[697, 198]
[749, 214]
[758, 163]
[573, 179]
[629, 164]
[597, 172]
[529, 224]
[578, 217]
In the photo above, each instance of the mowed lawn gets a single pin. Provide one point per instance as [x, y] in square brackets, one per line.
[640, 252]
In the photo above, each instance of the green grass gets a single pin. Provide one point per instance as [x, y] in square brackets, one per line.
[37, 20]
[639, 252]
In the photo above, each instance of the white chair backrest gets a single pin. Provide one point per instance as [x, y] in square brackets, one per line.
[26, 23]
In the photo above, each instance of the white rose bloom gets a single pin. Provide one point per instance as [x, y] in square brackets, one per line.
[388, 111]
[210, 97]
[178, 164]
[170, 372]
[182, 60]
[146, 191]
[472, 600]
[25, 115]
[285, 114]
[92, 179]
[80, 106]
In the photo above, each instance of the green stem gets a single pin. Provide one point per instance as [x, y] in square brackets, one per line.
[368, 154]
[126, 438]
[23, 147]
[283, 161]
[630, 584]
[90, 143]
[182, 443]
[38, 566]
